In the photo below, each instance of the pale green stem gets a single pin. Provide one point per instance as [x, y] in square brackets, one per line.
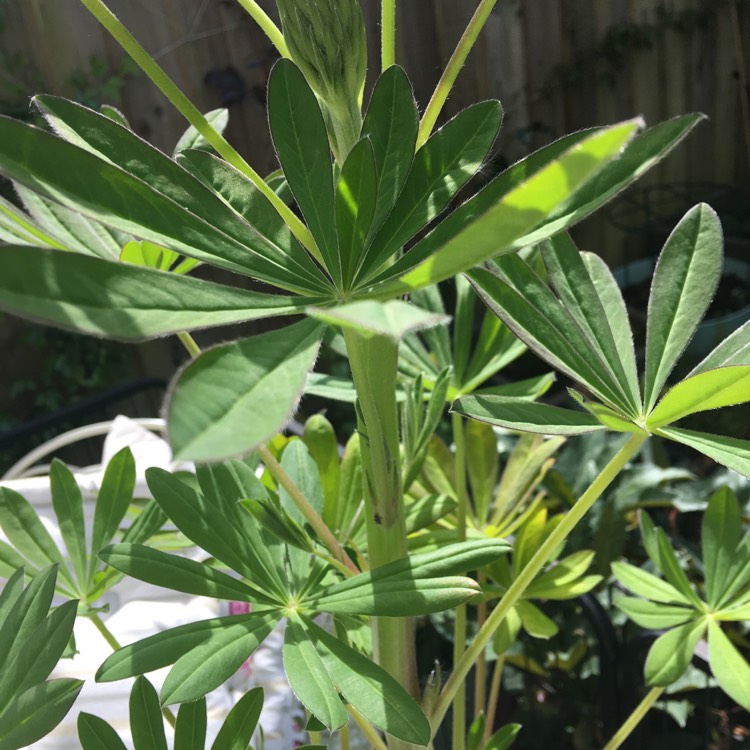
[530, 571]
[497, 677]
[458, 58]
[335, 563]
[480, 670]
[369, 731]
[188, 110]
[344, 738]
[373, 361]
[311, 516]
[635, 718]
[388, 33]
[189, 343]
[115, 646]
[459, 627]
[270, 29]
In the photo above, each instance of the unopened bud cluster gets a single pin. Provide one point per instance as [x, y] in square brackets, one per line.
[326, 39]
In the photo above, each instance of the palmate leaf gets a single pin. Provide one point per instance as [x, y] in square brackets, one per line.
[122, 301]
[236, 396]
[84, 182]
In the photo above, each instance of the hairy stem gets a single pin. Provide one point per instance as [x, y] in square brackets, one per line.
[531, 570]
[373, 361]
[188, 110]
[458, 58]
[388, 32]
[459, 627]
[270, 29]
[634, 719]
[311, 516]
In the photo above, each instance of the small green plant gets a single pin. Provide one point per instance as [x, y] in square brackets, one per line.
[390, 532]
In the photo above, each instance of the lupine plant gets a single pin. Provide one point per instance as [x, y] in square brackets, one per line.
[352, 235]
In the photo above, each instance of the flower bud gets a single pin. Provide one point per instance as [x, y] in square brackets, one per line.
[326, 39]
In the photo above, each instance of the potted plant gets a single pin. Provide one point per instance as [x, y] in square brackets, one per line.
[366, 184]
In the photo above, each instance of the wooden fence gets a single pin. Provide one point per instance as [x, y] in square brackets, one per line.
[557, 66]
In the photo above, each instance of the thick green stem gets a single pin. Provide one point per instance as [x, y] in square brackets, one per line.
[270, 29]
[373, 361]
[526, 576]
[115, 646]
[458, 58]
[188, 110]
[634, 719]
[459, 628]
[311, 516]
[388, 33]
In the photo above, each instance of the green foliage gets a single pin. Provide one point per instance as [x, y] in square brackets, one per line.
[674, 605]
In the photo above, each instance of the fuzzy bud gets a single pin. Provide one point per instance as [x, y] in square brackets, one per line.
[326, 39]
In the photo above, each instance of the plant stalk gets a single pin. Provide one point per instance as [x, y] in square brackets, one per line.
[635, 718]
[532, 569]
[459, 626]
[270, 29]
[497, 677]
[187, 109]
[311, 516]
[388, 33]
[456, 62]
[113, 643]
[189, 343]
[369, 731]
[373, 361]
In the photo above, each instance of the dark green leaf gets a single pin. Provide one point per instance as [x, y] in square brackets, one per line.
[463, 328]
[190, 730]
[482, 464]
[95, 734]
[685, 279]
[237, 729]
[123, 301]
[146, 724]
[236, 396]
[10, 593]
[299, 135]
[37, 712]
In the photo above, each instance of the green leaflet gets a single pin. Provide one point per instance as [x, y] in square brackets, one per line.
[463, 328]
[734, 350]
[482, 464]
[719, 539]
[685, 279]
[84, 182]
[218, 119]
[502, 224]
[356, 198]
[177, 573]
[320, 439]
[234, 397]
[370, 689]
[237, 729]
[67, 502]
[647, 585]
[190, 729]
[671, 653]
[391, 125]
[122, 301]
[534, 621]
[710, 389]
[730, 452]
[522, 414]
[146, 724]
[95, 734]
[653, 615]
[299, 135]
[17, 228]
[394, 318]
[441, 167]
[728, 666]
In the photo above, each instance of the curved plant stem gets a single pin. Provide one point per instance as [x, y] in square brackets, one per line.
[459, 627]
[189, 343]
[369, 731]
[270, 29]
[634, 719]
[388, 33]
[113, 643]
[188, 110]
[532, 569]
[311, 516]
[458, 58]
